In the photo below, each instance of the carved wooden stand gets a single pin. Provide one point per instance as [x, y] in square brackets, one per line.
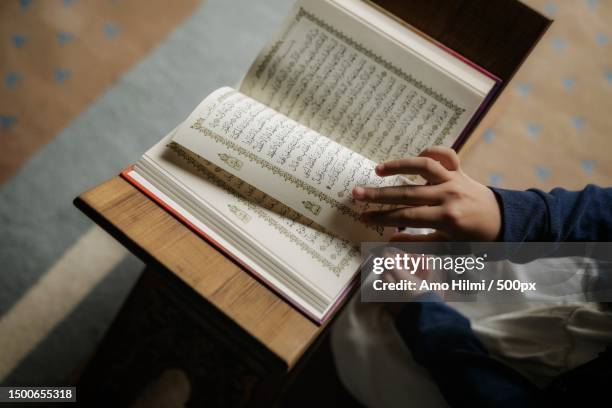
[160, 328]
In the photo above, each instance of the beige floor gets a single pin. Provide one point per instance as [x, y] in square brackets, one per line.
[552, 126]
[56, 57]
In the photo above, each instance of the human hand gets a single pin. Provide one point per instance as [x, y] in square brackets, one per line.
[456, 206]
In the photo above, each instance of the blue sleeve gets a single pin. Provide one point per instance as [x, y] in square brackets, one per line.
[560, 215]
[441, 340]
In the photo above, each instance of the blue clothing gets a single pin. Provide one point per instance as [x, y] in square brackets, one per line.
[442, 340]
[558, 216]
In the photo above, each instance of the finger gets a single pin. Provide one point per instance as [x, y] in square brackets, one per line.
[406, 195]
[432, 237]
[445, 155]
[429, 169]
[392, 275]
[389, 277]
[391, 252]
[418, 217]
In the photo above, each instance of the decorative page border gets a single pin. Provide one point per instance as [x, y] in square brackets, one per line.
[312, 252]
[457, 110]
[343, 208]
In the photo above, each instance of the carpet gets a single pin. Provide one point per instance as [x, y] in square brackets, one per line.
[59, 56]
[61, 279]
[551, 126]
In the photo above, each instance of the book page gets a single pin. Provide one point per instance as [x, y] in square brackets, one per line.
[265, 234]
[290, 162]
[332, 72]
[252, 220]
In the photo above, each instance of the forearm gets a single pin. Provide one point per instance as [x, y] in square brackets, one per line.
[560, 215]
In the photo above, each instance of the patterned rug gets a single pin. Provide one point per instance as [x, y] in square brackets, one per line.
[62, 280]
[552, 125]
[72, 116]
[59, 56]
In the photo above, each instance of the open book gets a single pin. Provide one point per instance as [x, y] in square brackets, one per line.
[265, 171]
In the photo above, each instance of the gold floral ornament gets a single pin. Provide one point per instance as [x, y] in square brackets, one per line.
[312, 207]
[336, 269]
[238, 212]
[231, 161]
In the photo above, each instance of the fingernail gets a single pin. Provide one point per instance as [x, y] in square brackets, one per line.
[358, 192]
[379, 168]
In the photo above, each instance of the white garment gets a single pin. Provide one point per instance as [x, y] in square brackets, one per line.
[374, 363]
[541, 340]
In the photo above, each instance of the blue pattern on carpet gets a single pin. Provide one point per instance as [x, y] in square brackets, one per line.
[39, 221]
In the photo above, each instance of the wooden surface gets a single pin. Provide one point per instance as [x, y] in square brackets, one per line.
[497, 35]
[157, 237]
